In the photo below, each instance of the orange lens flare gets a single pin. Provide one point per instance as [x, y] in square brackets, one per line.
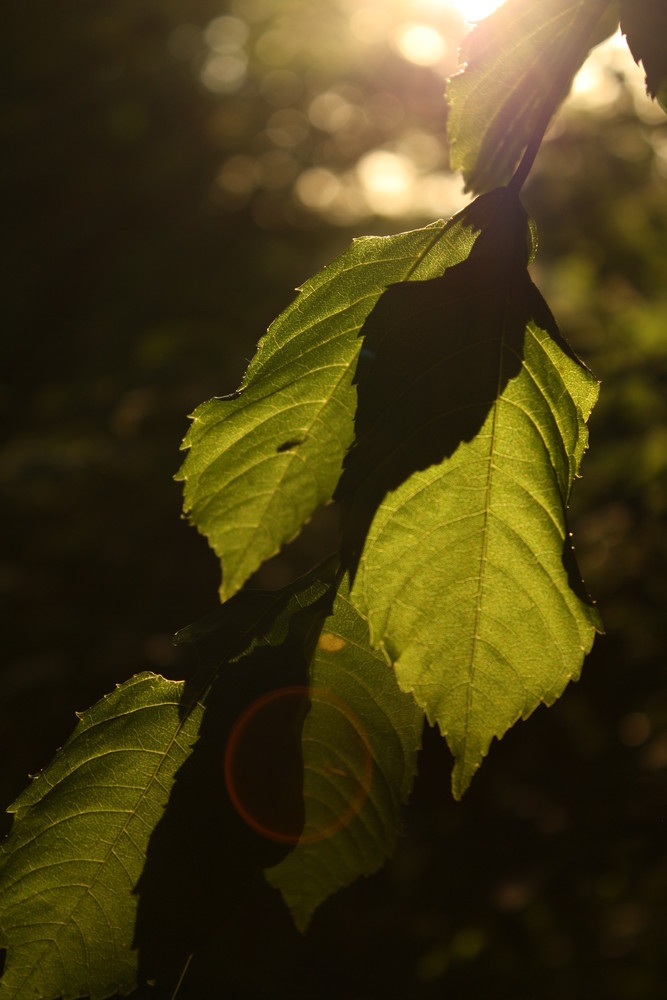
[277, 792]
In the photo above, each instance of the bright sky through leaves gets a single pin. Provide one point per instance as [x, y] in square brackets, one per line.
[601, 79]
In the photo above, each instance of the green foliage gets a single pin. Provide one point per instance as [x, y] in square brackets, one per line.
[261, 462]
[470, 425]
[79, 841]
[419, 383]
[468, 448]
[358, 742]
[347, 675]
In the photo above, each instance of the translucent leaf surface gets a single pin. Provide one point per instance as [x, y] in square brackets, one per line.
[360, 743]
[644, 23]
[520, 63]
[262, 461]
[457, 522]
[77, 846]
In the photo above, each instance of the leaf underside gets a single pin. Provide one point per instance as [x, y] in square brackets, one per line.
[454, 476]
[421, 380]
[471, 427]
[78, 845]
[519, 66]
[360, 743]
[261, 462]
[73, 870]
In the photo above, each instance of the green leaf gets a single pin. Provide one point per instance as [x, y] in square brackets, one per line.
[77, 846]
[262, 461]
[519, 66]
[360, 742]
[471, 427]
[644, 23]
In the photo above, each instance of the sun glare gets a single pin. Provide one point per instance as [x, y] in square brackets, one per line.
[339, 150]
[476, 10]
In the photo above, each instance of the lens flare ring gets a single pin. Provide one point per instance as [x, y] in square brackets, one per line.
[249, 754]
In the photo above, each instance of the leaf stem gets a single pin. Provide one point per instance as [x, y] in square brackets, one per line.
[568, 68]
[182, 975]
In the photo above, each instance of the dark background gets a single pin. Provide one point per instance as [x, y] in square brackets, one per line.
[153, 228]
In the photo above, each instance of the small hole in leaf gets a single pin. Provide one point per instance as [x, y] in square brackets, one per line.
[288, 445]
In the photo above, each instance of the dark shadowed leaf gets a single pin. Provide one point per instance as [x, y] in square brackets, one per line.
[358, 741]
[204, 857]
[644, 23]
[428, 370]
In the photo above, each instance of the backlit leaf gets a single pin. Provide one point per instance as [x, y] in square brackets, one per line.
[77, 846]
[519, 66]
[262, 461]
[470, 430]
[357, 745]
[360, 743]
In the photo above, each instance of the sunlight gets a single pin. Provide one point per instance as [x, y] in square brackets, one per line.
[600, 82]
[339, 148]
[476, 10]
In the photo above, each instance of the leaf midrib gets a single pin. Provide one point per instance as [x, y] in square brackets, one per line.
[485, 526]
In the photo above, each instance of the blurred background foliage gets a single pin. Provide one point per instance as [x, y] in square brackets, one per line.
[173, 170]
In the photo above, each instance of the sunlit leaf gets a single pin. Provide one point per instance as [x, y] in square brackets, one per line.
[360, 743]
[644, 23]
[519, 65]
[262, 461]
[357, 746]
[471, 428]
[77, 846]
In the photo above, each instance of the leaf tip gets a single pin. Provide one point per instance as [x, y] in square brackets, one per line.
[461, 778]
[302, 921]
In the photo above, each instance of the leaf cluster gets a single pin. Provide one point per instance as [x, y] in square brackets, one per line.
[420, 384]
